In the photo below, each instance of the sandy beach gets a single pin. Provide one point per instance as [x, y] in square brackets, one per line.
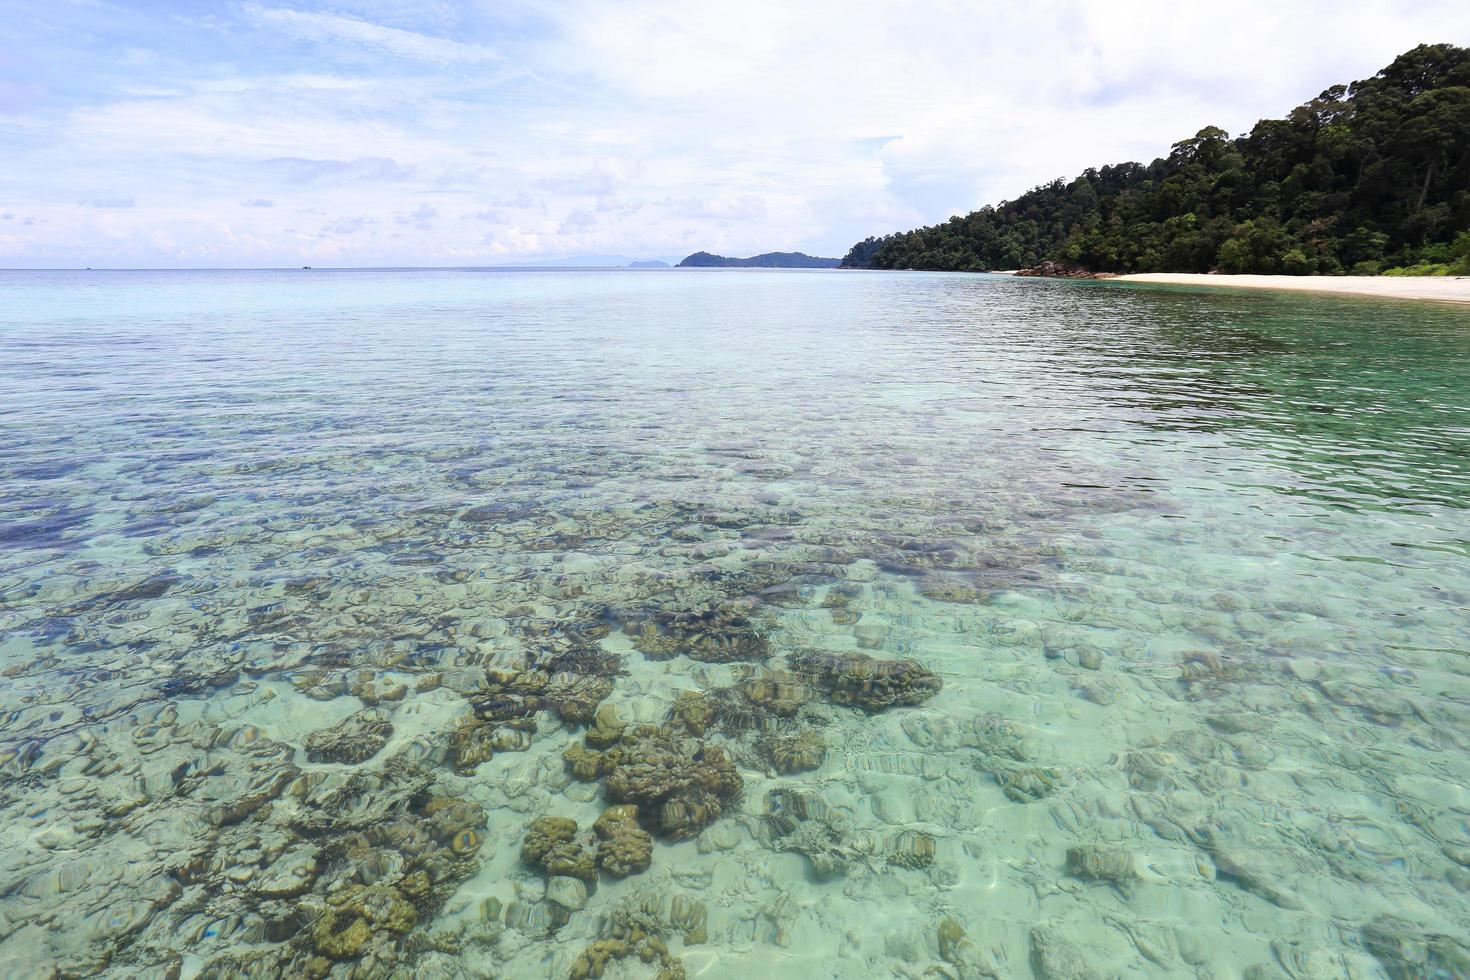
[1449, 289]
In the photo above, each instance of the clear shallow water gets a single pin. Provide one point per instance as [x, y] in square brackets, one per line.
[308, 579]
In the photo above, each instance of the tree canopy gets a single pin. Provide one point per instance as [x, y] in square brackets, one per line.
[1363, 178]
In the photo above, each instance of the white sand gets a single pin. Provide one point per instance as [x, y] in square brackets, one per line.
[1450, 289]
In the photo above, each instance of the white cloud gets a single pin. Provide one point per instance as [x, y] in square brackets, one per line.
[421, 217]
[327, 28]
[604, 177]
[300, 170]
[578, 220]
[650, 127]
[345, 226]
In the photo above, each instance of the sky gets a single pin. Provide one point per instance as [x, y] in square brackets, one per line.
[490, 132]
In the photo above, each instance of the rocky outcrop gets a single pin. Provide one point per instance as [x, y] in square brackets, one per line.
[1062, 270]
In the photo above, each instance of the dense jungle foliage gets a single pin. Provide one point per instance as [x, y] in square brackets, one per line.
[1365, 178]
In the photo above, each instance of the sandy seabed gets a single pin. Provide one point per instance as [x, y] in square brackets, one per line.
[1451, 289]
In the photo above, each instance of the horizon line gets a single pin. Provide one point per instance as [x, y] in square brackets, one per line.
[419, 268]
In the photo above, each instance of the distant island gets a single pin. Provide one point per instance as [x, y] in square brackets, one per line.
[766, 260]
[649, 264]
[1366, 179]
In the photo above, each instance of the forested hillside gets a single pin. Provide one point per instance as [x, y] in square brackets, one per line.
[1366, 177]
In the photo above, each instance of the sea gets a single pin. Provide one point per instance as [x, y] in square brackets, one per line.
[729, 623]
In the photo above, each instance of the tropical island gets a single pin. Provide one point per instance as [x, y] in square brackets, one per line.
[766, 260]
[1366, 179]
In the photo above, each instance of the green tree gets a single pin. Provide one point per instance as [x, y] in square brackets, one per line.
[1367, 175]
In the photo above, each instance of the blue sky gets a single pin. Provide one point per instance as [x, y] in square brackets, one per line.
[372, 132]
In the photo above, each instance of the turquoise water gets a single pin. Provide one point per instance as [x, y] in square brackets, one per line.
[310, 580]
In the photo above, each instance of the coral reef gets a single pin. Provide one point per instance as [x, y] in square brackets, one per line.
[364, 904]
[510, 695]
[551, 844]
[949, 590]
[857, 680]
[584, 763]
[355, 915]
[679, 783]
[246, 722]
[470, 744]
[723, 633]
[801, 752]
[954, 946]
[912, 849]
[606, 728]
[575, 697]
[623, 847]
[1022, 784]
[807, 826]
[594, 960]
[690, 917]
[779, 692]
[693, 711]
[353, 740]
[636, 927]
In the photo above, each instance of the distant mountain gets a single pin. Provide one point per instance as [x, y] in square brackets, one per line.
[766, 260]
[649, 264]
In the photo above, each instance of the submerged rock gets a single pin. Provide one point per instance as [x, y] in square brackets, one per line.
[949, 590]
[1408, 951]
[1254, 872]
[1022, 784]
[955, 947]
[1114, 865]
[291, 875]
[1061, 270]
[1053, 957]
[568, 892]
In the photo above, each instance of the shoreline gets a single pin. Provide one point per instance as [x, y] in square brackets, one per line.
[1445, 289]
